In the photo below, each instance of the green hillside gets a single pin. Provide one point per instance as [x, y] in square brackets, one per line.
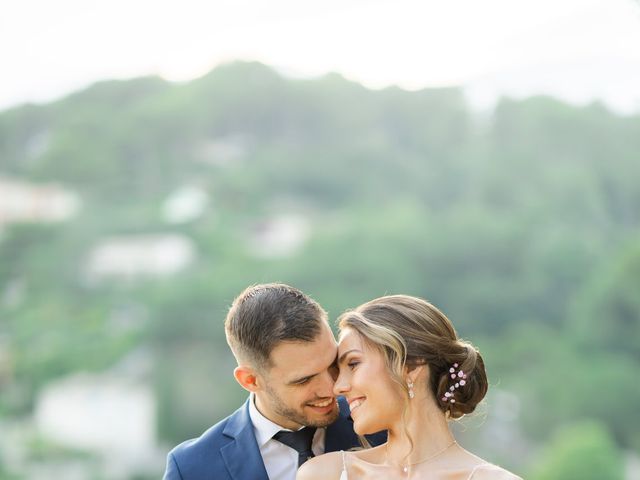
[522, 225]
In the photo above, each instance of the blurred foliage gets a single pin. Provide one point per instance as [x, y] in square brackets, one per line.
[585, 451]
[522, 226]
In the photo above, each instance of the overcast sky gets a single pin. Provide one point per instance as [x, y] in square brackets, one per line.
[575, 49]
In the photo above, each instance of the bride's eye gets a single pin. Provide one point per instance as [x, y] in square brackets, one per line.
[353, 364]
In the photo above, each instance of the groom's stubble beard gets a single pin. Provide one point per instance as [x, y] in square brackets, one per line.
[298, 415]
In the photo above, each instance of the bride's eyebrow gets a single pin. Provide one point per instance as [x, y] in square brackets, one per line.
[342, 357]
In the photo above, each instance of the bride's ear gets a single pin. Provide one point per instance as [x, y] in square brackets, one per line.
[415, 372]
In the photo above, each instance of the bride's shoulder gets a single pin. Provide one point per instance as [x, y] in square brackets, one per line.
[322, 467]
[488, 471]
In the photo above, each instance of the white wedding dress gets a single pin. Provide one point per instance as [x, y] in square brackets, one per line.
[495, 471]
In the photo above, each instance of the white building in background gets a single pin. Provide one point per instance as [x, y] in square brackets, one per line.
[101, 413]
[145, 255]
[185, 204]
[280, 236]
[27, 202]
[222, 151]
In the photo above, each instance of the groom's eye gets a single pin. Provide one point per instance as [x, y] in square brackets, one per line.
[302, 381]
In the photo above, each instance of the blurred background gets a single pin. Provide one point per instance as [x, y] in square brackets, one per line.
[157, 158]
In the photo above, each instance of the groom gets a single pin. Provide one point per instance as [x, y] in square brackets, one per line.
[286, 355]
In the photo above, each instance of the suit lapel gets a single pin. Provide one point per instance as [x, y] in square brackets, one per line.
[242, 455]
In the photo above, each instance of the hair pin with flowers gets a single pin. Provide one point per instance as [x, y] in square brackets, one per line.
[460, 379]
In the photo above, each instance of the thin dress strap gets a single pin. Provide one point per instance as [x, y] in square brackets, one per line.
[475, 469]
[343, 475]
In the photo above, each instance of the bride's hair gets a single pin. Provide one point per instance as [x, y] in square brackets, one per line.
[410, 331]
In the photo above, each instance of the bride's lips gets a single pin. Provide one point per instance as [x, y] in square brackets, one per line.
[354, 403]
[323, 406]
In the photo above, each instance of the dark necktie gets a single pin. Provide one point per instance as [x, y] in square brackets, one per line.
[299, 441]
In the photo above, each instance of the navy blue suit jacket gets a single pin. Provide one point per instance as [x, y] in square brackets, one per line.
[229, 450]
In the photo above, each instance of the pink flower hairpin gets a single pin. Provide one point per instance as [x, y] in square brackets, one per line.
[460, 379]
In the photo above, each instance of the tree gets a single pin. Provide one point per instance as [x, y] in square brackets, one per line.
[585, 451]
[606, 314]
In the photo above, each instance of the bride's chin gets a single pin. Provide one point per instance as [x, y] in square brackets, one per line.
[358, 431]
[362, 428]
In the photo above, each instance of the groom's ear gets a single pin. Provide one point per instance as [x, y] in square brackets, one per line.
[246, 377]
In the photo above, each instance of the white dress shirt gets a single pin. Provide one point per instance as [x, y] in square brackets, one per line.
[280, 460]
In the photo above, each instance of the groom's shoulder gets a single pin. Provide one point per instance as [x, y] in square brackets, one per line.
[210, 438]
[191, 456]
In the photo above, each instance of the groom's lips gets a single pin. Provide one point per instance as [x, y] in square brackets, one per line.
[324, 406]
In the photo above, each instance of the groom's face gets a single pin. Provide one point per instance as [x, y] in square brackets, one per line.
[298, 388]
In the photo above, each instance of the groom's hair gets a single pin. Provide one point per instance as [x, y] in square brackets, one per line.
[264, 315]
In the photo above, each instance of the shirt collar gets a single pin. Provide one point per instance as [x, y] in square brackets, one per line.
[263, 428]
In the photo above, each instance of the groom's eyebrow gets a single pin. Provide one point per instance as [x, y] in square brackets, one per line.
[305, 378]
[302, 379]
[342, 357]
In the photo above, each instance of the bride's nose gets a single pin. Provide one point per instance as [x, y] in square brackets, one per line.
[342, 385]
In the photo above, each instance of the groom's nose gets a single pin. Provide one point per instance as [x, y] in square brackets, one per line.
[324, 387]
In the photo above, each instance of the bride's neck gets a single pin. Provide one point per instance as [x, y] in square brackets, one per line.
[428, 428]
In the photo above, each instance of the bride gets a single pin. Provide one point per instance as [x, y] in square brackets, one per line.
[403, 369]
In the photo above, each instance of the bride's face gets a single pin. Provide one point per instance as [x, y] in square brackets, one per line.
[375, 400]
